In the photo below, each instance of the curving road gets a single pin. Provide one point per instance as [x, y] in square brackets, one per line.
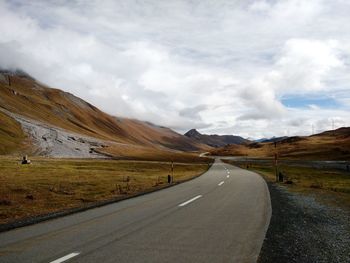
[221, 216]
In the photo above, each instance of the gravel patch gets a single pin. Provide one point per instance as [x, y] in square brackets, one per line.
[52, 141]
[304, 230]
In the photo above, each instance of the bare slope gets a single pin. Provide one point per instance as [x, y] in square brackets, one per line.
[21, 95]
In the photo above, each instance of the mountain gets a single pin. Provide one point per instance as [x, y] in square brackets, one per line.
[328, 145]
[273, 139]
[51, 122]
[215, 140]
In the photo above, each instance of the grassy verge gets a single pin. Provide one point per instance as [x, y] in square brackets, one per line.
[51, 185]
[142, 153]
[306, 179]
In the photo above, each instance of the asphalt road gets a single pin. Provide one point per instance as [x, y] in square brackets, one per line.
[221, 216]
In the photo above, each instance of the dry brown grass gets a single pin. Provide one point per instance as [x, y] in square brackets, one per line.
[136, 152]
[50, 185]
[12, 138]
[335, 183]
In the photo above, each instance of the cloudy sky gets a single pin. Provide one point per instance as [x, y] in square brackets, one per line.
[254, 68]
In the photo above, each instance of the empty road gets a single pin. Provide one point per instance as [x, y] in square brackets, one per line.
[221, 216]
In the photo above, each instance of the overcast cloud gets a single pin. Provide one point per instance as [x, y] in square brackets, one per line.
[253, 68]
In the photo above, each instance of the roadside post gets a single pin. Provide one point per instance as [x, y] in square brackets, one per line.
[171, 175]
[276, 162]
[172, 171]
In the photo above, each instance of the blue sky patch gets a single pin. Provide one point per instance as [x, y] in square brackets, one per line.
[306, 100]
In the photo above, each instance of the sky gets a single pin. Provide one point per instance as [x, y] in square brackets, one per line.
[252, 68]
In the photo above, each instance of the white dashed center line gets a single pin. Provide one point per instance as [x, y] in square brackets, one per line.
[191, 200]
[221, 183]
[69, 256]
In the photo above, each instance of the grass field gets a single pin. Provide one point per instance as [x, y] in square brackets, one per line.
[336, 182]
[49, 185]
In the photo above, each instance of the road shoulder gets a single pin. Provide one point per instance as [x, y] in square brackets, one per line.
[302, 229]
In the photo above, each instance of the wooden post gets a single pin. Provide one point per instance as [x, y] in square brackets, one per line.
[276, 162]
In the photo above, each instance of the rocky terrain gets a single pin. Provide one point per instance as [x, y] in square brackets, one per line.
[303, 229]
[52, 141]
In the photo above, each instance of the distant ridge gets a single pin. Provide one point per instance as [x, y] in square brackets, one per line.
[328, 145]
[215, 140]
[273, 139]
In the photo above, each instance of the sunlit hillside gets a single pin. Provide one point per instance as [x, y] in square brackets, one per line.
[23, 97]
[329, 145]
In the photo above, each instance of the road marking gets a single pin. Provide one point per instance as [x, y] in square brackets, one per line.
[191, 200]
[221, 183]
[69, 256]
[228, 176]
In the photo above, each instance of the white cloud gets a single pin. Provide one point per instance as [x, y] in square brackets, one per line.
[314, 107]
[188, 64]
[305, 63]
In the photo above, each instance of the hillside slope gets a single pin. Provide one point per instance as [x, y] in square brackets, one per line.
[215, 140]
[329, 145]
[12, 137]
[26, 101]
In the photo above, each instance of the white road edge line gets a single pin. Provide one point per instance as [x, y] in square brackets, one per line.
[191, 200]
[69, 256]
[221, 183]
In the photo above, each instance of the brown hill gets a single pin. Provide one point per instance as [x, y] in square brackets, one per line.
[215, 140]
[59, 114]
[329, 145]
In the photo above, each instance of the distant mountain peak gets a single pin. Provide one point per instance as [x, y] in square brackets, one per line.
[193, 133]
[215, 140]
[15, 72]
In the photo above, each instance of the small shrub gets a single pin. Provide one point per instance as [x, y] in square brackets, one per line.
[316, 185]
[30, 197]
[5, 202]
